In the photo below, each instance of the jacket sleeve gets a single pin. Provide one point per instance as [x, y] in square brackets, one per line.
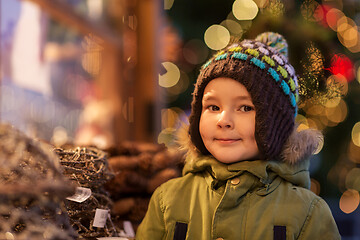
[153, 225]
[319, 223]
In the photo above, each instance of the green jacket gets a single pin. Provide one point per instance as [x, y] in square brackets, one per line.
[247, 200]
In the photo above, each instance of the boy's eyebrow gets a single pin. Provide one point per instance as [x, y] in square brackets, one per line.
[241, 97]
[209, 98]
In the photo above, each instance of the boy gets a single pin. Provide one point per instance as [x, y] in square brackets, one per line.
[246, 173]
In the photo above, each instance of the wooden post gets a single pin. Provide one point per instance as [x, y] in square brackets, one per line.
[147, 99]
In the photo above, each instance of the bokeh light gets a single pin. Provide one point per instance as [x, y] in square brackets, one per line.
[92, 58]
[316, 109]
[348, 34]
[9, 236]
[355, 134]
[351, 36]
[358, 74]
[314, 123]
[300, 119]
[169, 117]
[352, 180]
[245, 9]
[195, 51]
[353, 152]
[301, 127]
[234, 27]
[276, 8]
[261, 3]
[168, 4]
[181, 86]
[302, 122]
[311, 10]
[166, 136]
[349, 201]
[217, 37]
[171, 77]
[332, 102]
[356, 48]
[337, 114]
[341, 82]
[60, 136]
[171, 120]
[332, 18]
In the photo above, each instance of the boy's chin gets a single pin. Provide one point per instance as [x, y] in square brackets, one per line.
[230, 159]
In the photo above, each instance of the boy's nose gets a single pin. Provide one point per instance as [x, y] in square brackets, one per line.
[225, 121]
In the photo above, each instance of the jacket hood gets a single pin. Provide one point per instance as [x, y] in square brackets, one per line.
[292, 164]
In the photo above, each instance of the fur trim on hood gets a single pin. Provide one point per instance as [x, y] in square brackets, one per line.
[299, 146]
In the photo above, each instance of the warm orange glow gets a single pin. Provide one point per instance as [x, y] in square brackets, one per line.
[300, 119]
[302, 127]
[168, 118]
[353, 152]
[342, 24]
[350, 36]
[313, 123]
[315, 110]
[339, 113]
[349, 201]
[343, 83]
[355, 134]
[332, 17]
[356, 48]
[315, 186]
[348, 33]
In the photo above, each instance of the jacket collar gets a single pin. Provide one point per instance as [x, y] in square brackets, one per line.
[265, 171]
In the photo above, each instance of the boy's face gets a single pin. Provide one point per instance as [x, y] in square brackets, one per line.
[227, 122]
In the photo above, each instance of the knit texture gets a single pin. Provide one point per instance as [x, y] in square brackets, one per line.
[262, 66]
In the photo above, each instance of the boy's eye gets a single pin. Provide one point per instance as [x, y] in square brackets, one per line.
[213, 108]
[246, 108]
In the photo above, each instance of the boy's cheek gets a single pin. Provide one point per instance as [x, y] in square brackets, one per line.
[206, 125]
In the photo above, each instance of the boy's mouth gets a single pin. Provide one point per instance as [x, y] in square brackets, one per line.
[227, 140]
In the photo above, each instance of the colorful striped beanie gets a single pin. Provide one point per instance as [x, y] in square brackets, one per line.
[262, 66]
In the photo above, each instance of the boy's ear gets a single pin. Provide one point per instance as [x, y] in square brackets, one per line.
[301, 145]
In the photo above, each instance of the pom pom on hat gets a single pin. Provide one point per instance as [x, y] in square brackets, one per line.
[274, 40]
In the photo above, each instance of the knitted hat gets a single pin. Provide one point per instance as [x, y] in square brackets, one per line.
[262, 66]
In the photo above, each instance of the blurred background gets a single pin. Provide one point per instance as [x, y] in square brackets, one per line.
[100, 72]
